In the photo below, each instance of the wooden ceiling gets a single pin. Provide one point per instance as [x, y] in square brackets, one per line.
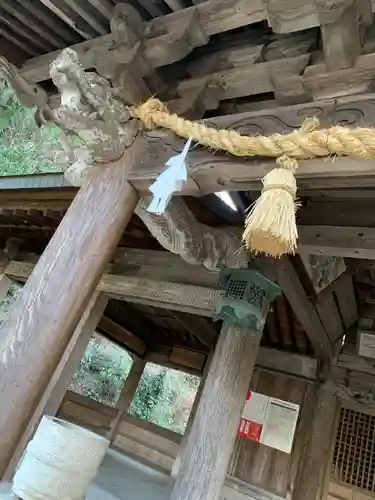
[39, 27]
[204, 58]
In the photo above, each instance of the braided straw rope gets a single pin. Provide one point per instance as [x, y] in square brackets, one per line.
[271, 223]
[307, 142]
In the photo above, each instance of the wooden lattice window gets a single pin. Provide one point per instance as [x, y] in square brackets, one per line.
[354, 452]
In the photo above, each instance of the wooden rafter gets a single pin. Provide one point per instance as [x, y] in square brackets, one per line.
[305, 311]
[123, 335]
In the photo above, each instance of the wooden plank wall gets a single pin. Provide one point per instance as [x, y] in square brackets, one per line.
[262, 466]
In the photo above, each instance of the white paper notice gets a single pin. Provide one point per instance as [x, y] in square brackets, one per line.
[255, 407]
[280, 425]
[366, 345]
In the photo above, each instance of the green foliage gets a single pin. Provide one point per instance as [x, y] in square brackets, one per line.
[102, 371]
[148, 395]
[24, 147]
[163, 396]
[12, 295]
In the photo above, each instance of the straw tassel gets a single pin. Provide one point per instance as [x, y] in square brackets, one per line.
[270, 226]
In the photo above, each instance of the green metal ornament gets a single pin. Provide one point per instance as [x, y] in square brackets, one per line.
[247, 297]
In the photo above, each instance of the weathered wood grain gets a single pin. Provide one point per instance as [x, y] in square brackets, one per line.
[211, 172]
[273, 360]
[340, 34]
[126, 396]
[310, 482]
[205, 462]
[158, 265]
[186, 298]
[344, 241]
[287, 362]
[329, 315]
[123, 335]
[160, 355]
[343, 82]
[169, 37]
[353, 362]
[353, 379]
[216, 172]
[41, 323]
[58, 385]
[186, 357]
[249, 79]
[305, 311]
[345, 294]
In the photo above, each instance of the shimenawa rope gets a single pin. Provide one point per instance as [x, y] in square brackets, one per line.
[270, 225]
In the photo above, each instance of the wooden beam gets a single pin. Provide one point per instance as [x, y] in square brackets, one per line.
[213, 432]
[37, 11]
[187, 298]
[24, 33]
[137, 263]
[122, 335]
[340, 31]
[195, 300]
[187, 358]
[161, 355]
[305, 311]
[288, 363]
[174, 43]
[23, 17]
[198, 326]
[342, 241]
[69, 17]
[126, 396]
[273, 360]
[59, 383]
[247, 79]
[176, 296]
[57, 293]
[161, 265]
[216, 172]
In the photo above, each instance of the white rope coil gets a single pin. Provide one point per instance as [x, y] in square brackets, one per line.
[60, 462]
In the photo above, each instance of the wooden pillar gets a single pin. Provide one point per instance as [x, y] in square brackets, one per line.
[58, 385]
[189, 424]
[41, 323]
[205, 461]
[127, 395]
[311, 477]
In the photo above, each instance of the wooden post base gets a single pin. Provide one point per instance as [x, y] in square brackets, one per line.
[206, 458]
[42, 321]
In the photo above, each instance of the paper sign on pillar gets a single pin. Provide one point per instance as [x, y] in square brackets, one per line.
[269, 421]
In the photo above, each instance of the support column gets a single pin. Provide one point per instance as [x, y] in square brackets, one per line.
[59, 383]
[206, 458]
[127, 395]
[311, 476]
[177, 462]
[41, 323]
